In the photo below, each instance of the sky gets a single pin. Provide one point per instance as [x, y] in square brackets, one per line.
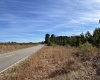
[30, 20]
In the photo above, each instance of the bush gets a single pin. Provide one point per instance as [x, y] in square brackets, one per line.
[86, 51]
[49, 43]
[87, 47]
[68, 46]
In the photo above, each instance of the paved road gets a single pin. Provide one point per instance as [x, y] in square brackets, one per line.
[8, 59]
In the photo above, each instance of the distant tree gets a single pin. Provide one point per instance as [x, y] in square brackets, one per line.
[75, 40]
[96, 37]
[88, 37]
[61, 40]
[47, 38]
[52, 38]
[64, 42]
[82, 38]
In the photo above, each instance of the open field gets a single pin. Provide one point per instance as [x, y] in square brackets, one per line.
[11, 47]
[56, 63]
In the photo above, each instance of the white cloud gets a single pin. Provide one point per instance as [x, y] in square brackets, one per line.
[91, 13]
[57, 16]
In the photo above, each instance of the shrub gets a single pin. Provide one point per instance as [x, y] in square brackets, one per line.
[86, 51]
[49, 43]
[68, 46]
[87, 47]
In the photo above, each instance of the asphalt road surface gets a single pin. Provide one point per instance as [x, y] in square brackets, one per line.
[8, 59]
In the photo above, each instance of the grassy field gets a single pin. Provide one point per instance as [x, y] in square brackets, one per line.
[11, 47]
[57, 63]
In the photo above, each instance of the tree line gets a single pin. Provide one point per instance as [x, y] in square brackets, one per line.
[93, 39]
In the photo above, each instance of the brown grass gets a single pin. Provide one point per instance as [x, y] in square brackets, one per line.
[53, 63]
[8, 47]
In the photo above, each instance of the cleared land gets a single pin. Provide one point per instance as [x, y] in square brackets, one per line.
[56, 63]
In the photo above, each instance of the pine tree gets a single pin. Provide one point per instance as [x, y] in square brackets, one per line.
[47, 38]
[96, 37]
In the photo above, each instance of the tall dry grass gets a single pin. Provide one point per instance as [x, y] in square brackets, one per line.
[52, 63]
[11, 47]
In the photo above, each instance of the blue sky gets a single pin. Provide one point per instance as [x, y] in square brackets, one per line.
[30, 20]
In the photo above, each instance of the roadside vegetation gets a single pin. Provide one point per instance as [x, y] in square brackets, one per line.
[11, 46]
[57, 63]
[93, 39]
